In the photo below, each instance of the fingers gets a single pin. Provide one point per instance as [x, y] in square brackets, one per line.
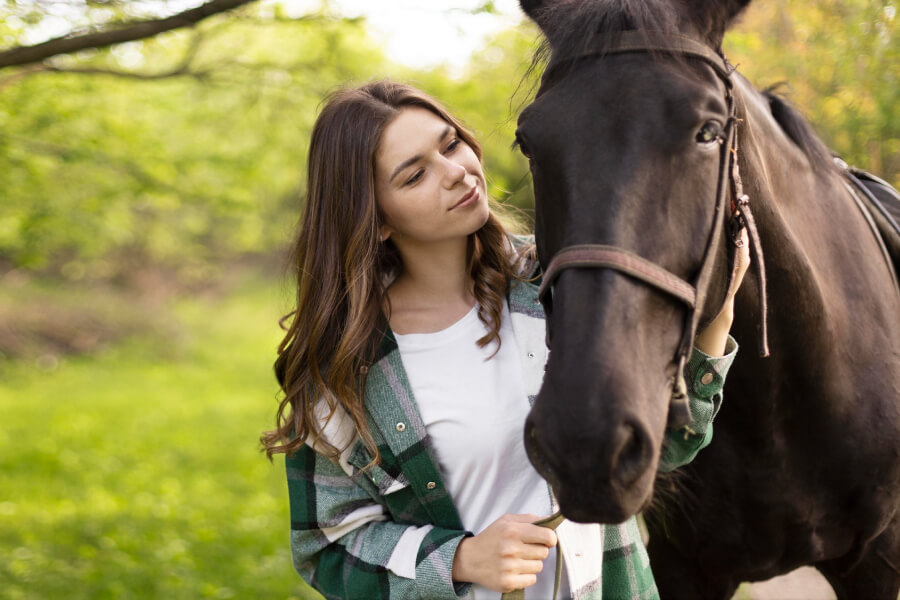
[535, 534]
[529, 567]
[525, 547]
[519, 575]
[743, 254]
[512, 583]
[524, 543]
[741, 262]
[524, 518]
[507, 554]
[533, 552]
[526, 531]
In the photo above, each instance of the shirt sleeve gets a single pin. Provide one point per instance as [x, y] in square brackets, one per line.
[705, 378]
[345, 544]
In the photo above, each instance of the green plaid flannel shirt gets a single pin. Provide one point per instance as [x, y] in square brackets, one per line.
[346, 523]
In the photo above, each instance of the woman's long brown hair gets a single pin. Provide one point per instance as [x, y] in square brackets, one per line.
[342, 267]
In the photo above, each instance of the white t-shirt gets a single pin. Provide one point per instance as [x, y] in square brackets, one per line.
[474, 410]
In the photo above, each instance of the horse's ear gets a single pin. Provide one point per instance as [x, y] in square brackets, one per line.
[714, 17]
[533, 8]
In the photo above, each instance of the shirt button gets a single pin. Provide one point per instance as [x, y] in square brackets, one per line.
[431, 485]
[531, 355]
[401, 427]
[707, 378]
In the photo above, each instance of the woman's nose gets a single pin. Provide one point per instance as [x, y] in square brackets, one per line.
[455, 172]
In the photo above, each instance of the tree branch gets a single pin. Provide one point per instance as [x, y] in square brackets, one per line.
[183, 68]
[24, 55]
[179, 71]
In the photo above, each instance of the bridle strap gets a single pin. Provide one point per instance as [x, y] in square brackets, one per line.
[741, 211]
[651, 41]
[600, 255]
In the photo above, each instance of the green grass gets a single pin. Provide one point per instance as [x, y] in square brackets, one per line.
[134, 475]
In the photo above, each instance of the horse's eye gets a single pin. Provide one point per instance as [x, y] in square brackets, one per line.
[523, 147]
[710, 132]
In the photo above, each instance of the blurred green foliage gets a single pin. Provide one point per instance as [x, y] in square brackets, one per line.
[100, 172]
[134, 473]
[137, 473]
[840, 60]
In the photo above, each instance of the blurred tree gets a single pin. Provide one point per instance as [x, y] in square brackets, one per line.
[102, 176]
[187, 149]
[105, 24]
[840, 62]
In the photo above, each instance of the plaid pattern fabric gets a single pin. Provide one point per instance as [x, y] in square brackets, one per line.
[347, 525]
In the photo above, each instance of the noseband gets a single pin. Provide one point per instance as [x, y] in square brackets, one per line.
[692, 294]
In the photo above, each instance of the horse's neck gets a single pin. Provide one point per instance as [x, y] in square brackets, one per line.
[809, 225]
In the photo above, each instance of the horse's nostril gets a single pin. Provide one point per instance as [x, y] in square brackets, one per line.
[633, 454]
[534, 451]
[529, 430]
[531, 441]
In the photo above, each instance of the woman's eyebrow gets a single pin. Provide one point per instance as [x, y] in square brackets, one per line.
[418, 157]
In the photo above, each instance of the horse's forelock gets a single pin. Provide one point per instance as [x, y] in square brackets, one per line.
[570, 25]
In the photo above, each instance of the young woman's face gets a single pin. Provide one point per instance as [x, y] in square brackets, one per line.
[429, 184]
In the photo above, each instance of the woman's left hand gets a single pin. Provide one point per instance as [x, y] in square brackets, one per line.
[713, 338]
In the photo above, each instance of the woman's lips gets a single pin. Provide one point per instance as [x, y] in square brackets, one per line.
[468, 199]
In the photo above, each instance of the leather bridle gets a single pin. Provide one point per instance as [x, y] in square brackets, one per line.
[692, 294]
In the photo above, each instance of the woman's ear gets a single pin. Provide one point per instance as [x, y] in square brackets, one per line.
[384, 232]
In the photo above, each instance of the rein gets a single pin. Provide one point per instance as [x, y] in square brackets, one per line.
[692, 294]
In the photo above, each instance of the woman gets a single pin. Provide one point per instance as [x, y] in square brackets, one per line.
[408, 366]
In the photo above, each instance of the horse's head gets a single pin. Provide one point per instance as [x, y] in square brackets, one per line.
[627, 150]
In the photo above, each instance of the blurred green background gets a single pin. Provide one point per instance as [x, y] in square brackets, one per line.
[148, 193]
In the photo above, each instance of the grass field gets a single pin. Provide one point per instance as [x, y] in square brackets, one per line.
[136, 473]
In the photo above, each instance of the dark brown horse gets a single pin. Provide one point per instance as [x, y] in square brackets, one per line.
[630, 140]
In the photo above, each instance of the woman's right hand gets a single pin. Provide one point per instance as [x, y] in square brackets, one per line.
[506, 556]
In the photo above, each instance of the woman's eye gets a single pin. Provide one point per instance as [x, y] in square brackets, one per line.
[453, 145]
[710, 132]
[415, 178]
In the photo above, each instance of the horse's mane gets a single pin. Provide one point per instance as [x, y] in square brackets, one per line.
[798, 129]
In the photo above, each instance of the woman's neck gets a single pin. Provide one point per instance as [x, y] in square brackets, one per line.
[434, 290]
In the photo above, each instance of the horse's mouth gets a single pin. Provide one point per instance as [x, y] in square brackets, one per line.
[587, 503]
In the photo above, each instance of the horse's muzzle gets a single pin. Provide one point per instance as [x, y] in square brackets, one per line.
[604, 479]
